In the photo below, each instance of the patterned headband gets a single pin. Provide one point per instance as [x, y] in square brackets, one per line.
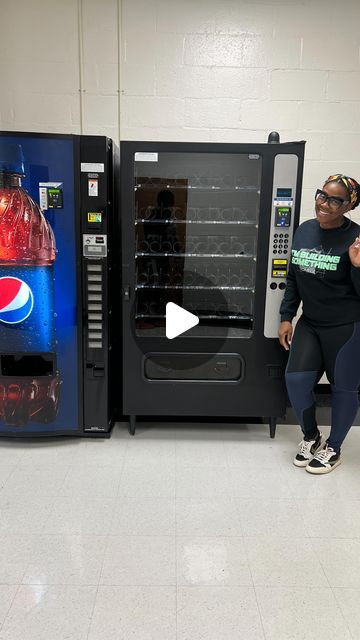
[349, 183]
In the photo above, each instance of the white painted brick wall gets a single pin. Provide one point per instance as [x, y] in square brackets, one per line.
[212, 82]
[247, 68]
[207, 70]
[40, 66]
[298, 84]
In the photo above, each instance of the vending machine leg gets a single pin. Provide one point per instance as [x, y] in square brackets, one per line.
[272, 426]
[132, 425]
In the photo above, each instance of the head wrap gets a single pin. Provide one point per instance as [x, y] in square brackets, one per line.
[349, 183]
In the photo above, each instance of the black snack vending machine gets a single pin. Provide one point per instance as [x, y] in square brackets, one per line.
[57, 200]
[206, 241]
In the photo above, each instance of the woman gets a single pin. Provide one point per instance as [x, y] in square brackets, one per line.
[324, 275]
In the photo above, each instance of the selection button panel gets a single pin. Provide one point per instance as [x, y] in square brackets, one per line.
[95, 302]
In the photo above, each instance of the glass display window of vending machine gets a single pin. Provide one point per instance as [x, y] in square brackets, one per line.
[196, 241]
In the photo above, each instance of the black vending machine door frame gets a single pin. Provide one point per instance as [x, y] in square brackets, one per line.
[163, 397]
[98, 393]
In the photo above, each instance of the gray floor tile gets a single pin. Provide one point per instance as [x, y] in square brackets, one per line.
[139, 561]
[305, 613]
[42, 612]
[284, 562]
[212, 562]
[218, 612]
[139, 613]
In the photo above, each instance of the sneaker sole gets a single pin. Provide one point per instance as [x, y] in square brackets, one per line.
[301, 463]
[321, 470]
[304, 463]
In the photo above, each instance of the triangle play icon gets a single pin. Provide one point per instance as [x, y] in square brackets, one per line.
[178, 320]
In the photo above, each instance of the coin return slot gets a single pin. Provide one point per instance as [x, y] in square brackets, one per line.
[98, 371]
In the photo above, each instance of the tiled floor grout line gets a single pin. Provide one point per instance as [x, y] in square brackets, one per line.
[341, 611]
[8, 478]
[117, 501]
[10, 605]
[254, 588]
[248, 562]
[103, 561]
[300, 514]
[246, 552]
[259, 610]
[93, 610]
[42, 532]
[312, 543]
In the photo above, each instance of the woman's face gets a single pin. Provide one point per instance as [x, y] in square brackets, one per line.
[331, 203]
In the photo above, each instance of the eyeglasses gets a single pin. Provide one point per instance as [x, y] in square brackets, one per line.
[332, 201]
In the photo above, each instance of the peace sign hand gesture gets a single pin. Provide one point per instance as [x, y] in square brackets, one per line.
[354, 252]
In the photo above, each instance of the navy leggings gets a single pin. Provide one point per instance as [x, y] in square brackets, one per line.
[336, 351]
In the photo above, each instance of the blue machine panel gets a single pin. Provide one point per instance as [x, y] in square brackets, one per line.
[39, 376]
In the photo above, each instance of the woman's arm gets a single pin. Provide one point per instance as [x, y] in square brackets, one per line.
[354, 255]
[291, 299]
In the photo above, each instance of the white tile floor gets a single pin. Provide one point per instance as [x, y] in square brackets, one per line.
[202, 532]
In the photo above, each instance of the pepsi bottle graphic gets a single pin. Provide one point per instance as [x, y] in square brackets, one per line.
[29, 380]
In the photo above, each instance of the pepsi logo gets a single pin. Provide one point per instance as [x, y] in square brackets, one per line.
[16, 300]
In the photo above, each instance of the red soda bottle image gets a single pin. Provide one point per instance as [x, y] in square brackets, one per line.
[29, 380]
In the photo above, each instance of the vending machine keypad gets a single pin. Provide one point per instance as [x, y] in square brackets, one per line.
[284, 196]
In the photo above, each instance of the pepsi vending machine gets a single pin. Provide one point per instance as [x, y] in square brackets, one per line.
[57, 196]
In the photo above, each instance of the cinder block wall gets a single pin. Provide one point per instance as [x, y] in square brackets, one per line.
[208, 70]
[59, 66]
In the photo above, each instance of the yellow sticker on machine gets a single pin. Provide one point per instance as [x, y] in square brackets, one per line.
[279, 267]
[94, 216]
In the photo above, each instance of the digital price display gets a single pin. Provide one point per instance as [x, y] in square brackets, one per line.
[283, 193]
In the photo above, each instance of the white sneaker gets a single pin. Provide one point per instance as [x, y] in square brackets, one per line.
[307, 450]
[325, 461]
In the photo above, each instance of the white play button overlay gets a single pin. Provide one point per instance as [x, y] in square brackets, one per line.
[178, 320]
